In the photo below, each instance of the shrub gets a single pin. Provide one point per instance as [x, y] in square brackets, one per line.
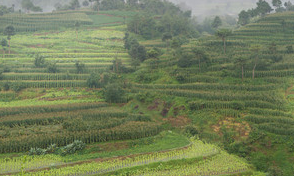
[191, 130]
[6, 86]
[18, 86]
[39, 61]
[37, 151]
[51, 149]
[52, 68]
[114, 93]
[74, 147]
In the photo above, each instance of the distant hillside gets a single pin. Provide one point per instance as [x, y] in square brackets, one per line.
[47, 5]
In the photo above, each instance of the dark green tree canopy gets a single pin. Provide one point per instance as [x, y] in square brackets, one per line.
[74, 4]
[277, 3]
[85, 3]
[217, 22]
[9, 31]
[4, 43]
[263, 7]
[244, 18]
[29, 6]
[114, 93]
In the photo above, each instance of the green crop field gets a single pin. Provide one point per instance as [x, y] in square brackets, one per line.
[140, 89]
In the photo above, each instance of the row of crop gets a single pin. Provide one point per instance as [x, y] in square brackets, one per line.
[16, 164]
[86, 55]
[268, 112]
[61, 70]
[48, 109]
[282, 66]
[221, 164]
[198, 78]
[273, 128]
[269, 119]
[46, 84]
[33, 23]
[47, 121]
[97, 116]
[95, 113]
[48, 76]
[270, 73]
[232, 105]
[197, 150]
[270, 97]
[130, 130]
[207, 86]
[199, 105]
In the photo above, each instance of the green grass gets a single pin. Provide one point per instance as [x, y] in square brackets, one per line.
[163, 141]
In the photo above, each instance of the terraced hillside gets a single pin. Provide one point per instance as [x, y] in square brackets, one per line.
[190, 90]
[95, 48]
[248, 115]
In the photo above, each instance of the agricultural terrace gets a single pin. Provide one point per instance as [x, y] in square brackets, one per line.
[236, 93]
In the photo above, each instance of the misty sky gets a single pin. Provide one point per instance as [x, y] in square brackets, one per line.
[199, 7]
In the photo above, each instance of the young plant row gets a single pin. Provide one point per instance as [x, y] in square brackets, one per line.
[197, 149]
[17, 164]
[46, 84]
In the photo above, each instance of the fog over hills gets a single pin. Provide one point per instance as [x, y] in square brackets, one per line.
[200, 8]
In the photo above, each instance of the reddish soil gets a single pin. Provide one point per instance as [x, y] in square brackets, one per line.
[179, 121]
[155, 105]
[243, 129]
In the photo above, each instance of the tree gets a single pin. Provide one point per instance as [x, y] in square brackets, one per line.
[255, 57]
[77, 26]
[27, 5]
[289, 49]
[96, 5]
[39, 61]
[153, 53]
[80, 67]
[9, 31]
[138, 52]
[58, 6]
[272, 48]
[241, 62]
[277, 3]
[37, 9]
[91, 1]
[74, 4]
[114, 93]
[52, 68]
[117, 66]
[185, 59]
[263, 7]
[244, 18]
[85, 3]
[200, 55]
[4, 44]
[217, 22]
[166, 37]
[224, 34]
